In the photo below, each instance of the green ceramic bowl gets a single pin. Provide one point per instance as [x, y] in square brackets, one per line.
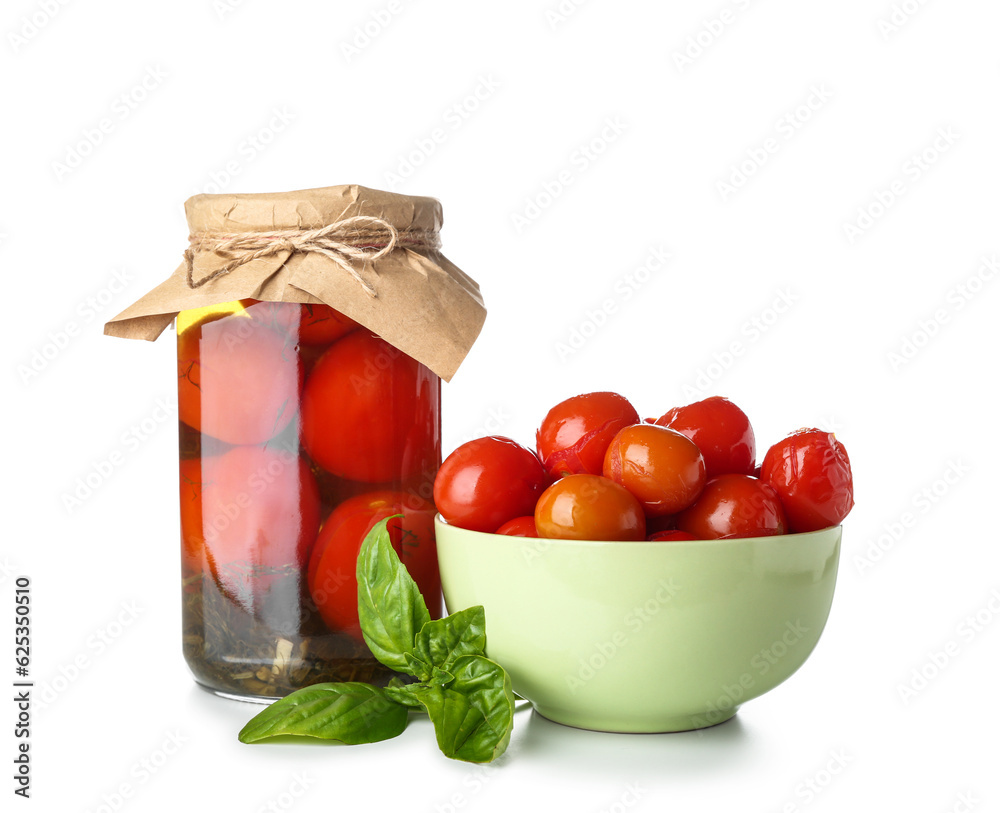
[643, 636]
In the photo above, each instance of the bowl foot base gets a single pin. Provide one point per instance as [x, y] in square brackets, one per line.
[618, 725]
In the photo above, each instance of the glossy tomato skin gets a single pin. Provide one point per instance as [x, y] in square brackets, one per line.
[671, 536]
[369, 411]
[811, 472]
[237, 379]
[250, 516]
[575, 433]
[734, 506]
[589, 506]
[487, 482]
[721, 431]
[662, 468]
[332, 572]
[519, 526]
[321, 324]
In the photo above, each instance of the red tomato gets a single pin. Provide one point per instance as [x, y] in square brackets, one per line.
[238, 380]
[519, 526]
[811, 472]
[486, 482]
[321, 324]
[671, 536]
[734, 505]
[332, 577]
[721, 430]
[251, 515]
[588, 506]
[307, 324]
[192, 524]
[576, 432]
[367, 411]
[662, 468]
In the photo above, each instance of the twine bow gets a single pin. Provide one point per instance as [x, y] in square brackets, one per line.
[360, 238]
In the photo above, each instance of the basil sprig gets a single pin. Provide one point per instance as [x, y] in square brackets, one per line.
[467, 696]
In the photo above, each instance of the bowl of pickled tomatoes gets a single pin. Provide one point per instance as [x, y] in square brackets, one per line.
[644, 575]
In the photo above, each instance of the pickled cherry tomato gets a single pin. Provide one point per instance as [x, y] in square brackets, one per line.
[519, 526]
[576, 432]
[720, 429]
[366, 408]
[671, 536]
[487, 482]
[811, 472]
[662, 468]
[237, 379]
[321, 324]
[734, 505]
[589, 506]
[250, 515]
[192, 522]
[332, 573]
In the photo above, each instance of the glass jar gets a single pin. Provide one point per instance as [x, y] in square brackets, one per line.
[299, 431]
[300, 428]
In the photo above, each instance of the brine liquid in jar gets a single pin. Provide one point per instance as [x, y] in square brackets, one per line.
[299, 431]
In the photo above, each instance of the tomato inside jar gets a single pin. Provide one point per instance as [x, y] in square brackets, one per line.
[299, 430]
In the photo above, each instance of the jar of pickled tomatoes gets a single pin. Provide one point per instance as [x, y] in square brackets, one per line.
[313, 331]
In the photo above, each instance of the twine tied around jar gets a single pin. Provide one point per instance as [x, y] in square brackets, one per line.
[360, 238]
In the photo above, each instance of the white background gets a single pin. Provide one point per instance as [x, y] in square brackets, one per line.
[593, 117]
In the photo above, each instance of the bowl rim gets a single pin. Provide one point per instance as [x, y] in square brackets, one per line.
[677, 543]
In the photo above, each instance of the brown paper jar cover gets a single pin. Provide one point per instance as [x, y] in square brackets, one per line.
[416, 299]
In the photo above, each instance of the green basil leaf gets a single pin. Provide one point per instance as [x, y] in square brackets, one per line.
[349, 712]
[403, 693]
[442, 641]
[474, 715]
[390, 607]
[417, 667]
